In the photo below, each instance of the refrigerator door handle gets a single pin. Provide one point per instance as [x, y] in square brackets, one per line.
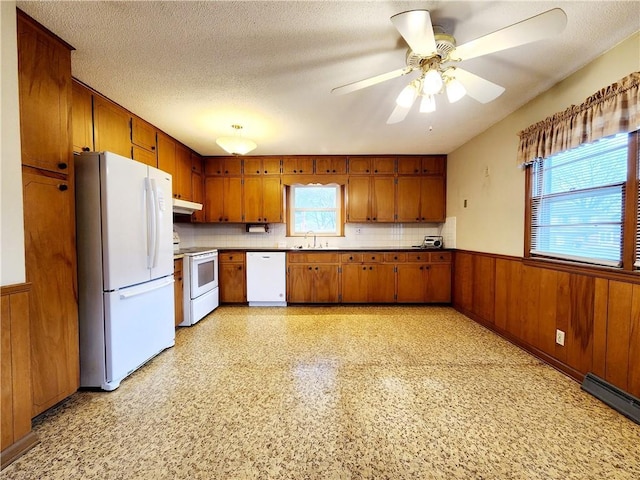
[133, 292]
[156, 222]
[151, 222]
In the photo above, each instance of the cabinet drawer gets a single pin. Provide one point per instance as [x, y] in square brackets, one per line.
[418, 256]
[231, 257]
[314, 257]
[440, 257]
[372, 257]
[395, 257]
[351, 258]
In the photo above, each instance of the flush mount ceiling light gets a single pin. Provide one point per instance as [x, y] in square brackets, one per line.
[434, 54]
[236, 145]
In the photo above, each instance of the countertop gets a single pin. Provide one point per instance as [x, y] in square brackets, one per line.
[320, 249]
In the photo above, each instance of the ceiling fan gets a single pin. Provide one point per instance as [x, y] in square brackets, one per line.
[434, 54]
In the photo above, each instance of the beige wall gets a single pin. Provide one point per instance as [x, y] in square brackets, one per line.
[483, 171]
[11, 220]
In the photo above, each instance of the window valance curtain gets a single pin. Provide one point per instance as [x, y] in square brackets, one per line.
[614, 109]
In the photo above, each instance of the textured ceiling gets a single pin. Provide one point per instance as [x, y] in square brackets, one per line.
[194, 68]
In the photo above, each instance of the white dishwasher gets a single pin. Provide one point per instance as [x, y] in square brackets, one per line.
[266, 279]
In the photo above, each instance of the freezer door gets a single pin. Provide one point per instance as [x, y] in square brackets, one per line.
[125, 237]
[161, 185]
[139, 324]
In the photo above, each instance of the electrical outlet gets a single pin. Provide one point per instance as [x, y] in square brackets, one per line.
[358, 231]
[560, 337]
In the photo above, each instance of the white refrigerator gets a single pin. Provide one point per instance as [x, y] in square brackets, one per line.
[124, 224]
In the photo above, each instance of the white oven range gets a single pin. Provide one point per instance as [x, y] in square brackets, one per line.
[200, 283]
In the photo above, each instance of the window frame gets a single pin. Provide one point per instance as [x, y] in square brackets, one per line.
[339, 232]
[630, 206]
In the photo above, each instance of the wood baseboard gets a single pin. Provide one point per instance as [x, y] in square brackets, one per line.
[17, 449]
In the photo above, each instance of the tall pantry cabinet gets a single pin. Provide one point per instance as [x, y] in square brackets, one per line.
[44, 71]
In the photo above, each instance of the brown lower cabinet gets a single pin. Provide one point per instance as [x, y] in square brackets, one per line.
[313, 278]
[231, 277]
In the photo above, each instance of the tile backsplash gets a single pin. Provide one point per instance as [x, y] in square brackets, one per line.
[355, 235]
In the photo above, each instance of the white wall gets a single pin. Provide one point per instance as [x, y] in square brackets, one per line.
[11, 214]
[483, 171]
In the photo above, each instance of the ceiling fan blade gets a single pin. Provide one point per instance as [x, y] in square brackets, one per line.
[415, 27]
[399, 114]
[477, 87]
[530, 30]
[367, 82]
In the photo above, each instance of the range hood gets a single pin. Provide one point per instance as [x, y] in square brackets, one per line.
[185, 207]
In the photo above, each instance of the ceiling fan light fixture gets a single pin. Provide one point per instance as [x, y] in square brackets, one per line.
[408, 95]
[432, 82]
[428, 104]
[455, 90]
[236, 145]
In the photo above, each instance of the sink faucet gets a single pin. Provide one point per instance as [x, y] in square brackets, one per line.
[314, 238]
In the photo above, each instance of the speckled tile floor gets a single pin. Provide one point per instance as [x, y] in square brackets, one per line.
[336, 393]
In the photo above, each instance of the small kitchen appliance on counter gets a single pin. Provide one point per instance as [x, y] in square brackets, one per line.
[432, 242]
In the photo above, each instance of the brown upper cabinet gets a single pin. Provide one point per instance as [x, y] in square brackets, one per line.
[82, 118]
[330, 165]
[111, 125]
[143, 134]
[197, 187]
[372, 165]
[427, 165]
[45, 97]
[262, 165]
[297, 165]
[222, 166]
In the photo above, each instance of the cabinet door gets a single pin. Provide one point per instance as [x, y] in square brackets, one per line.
[383, 199]
[51, 268]
[301, 279]
[182, 178]
[272, 199]
[354, 283]
[197, 189]
[232, 282]
[252, 199]
[434, 165]
[432, 199]
[359, 165]
[383, 165]
[438, 288]
[409, 165]
[144, 156]
[223, 199]
[111, 127]
[331, 165]
[143, 134]
[381, 283]
[297, 165]
[327, 286]
[44, 82]
[167, 157]
[411, 283]
[214, 199]
[82, 118]
[409, 191]
[358, 194]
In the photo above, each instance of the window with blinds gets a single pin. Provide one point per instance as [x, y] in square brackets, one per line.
[577, 203]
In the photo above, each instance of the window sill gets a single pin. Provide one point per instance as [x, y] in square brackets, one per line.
[610, 273]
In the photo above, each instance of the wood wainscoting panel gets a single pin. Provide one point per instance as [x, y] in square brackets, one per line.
[484, 273]
[633, 377]
[579, 341]
[618, 333]
[463, 281]
[547, 315]
[530, 305]
[600, 315]
[508, 295]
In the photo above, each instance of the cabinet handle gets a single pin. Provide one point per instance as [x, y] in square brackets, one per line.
[370, 268]
[350, 258]
[427, 267]
[364, 268]
[63, 187]
[152, 147]
[62, 165]
[86, 149]
[230, 258]
[240, 267]
[310, 268]
[316, 268]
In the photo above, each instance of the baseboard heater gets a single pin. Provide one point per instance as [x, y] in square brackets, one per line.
[619, 400]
